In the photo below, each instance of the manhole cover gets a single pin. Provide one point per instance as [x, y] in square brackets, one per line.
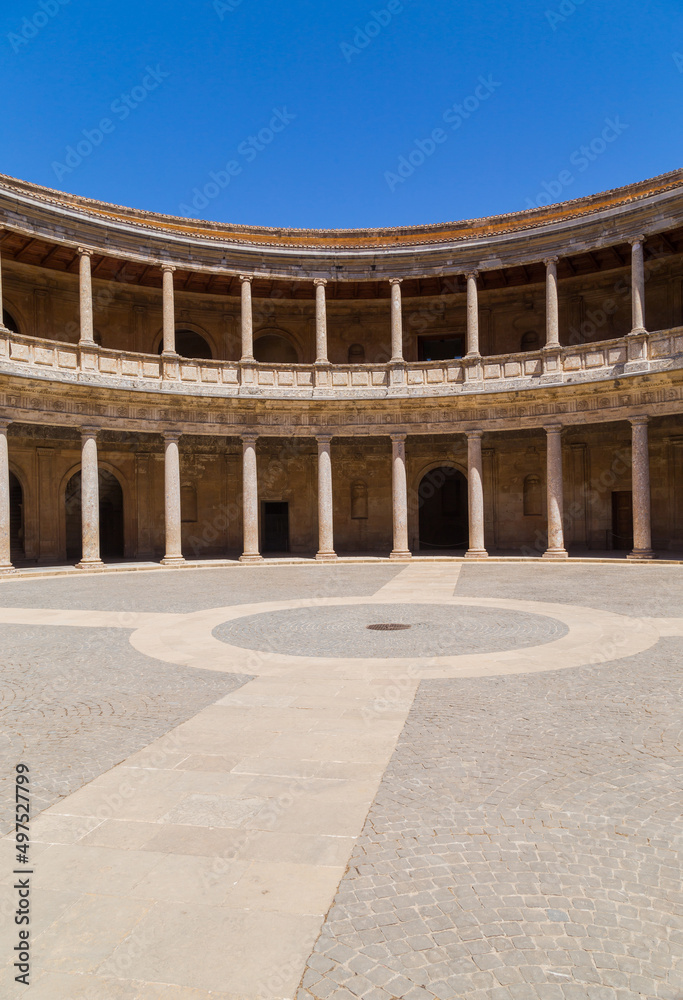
[386, 627]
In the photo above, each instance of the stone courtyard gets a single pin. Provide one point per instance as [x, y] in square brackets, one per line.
[241, 792]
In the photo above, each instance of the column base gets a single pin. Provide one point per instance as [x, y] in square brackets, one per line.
[90, 564]
[403, 556]
[251, 557]
[472, 356]
[642, 554]
[326, 556]
[476, 554]
[555, 554]
[7, 568]
[170, 355]
[173, 560]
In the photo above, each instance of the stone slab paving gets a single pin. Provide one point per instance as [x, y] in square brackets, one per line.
[203, 864]
[524, 843]
[75, 702]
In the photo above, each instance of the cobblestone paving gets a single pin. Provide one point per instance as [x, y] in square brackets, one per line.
[435, 630]
[76, 701]
[623, 588]
[523, 844]
[185, 590]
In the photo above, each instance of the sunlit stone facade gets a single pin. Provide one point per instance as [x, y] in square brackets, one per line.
[177, 390]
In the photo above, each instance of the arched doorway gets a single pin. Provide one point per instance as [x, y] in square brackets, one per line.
[111, 516]
[442, 496]
[190, 344]
[274, 349]
[16, 519]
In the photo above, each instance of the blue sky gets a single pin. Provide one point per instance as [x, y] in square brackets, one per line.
[349, 114]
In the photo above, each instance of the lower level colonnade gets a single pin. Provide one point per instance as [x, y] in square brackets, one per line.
[405, 502]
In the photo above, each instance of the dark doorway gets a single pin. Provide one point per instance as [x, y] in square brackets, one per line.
[443, 509]
[111, 516]
[440, 348]
[622, 519]
[16, 519]
[191, 345]
[275, 527]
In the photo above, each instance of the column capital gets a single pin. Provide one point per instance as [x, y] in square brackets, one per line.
[249, 438]
[320, 282]
[168, 267]
[640, 419]
[398, 438]
[171, 436]
[550, 260]
[90, 430]
[324, 438]
[84, 252]
[636, 239]
[472, 274]
[246, 277]
[553, 428]
[395, 281]
[474, 434]
[4, 423]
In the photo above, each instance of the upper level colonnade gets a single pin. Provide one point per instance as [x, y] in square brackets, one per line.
[480, 292]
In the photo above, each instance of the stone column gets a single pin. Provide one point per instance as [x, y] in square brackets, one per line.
[640, 458]
[396, 320]
[637, 286]
[555, 491]
[2, 318]
[325, 503]
[168, 309]
[87, 334]
[247, 319]
[399, 489]
[90, 501]
[172, 509]
[472, 316]
[5, 553]
[552, 320]
[475, 487]
[250, 501]
[320, 322]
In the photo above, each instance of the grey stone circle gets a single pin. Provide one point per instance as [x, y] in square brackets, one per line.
[436, 630]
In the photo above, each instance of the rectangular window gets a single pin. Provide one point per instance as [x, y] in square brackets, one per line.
[442, 348]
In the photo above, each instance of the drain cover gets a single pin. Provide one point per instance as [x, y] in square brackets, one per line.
[386, 627]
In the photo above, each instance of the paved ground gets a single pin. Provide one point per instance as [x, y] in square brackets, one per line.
[497, 824]
[525, 843]
[76, 702]
[433, 631]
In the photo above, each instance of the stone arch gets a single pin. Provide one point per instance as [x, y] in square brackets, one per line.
[192, 342]
[273, 346]
[533, 496]
[115, 538]
[9, 319]
[440, 496]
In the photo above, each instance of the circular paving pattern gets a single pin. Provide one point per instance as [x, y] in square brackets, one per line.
[435, 630]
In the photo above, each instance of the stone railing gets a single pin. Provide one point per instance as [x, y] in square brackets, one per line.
[92, 365]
